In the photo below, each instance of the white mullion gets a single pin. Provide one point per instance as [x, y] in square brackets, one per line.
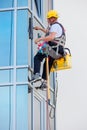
[14, 86]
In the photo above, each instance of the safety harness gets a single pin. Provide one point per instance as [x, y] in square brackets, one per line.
[54, 46]
[62, 39]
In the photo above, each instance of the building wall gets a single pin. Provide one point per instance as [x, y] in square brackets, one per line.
[19, 109]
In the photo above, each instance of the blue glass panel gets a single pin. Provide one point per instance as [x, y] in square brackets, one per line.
[6, 38]
[5, 108]
[22, 3]
[6, 76]
[22, 75]
[22, 107]
[6, 3]
[22, 37]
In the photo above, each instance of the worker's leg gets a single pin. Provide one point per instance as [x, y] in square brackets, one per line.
[44, 75]
[38, 58]
[44, 67]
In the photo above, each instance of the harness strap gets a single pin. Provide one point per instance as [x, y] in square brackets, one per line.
[62, 39]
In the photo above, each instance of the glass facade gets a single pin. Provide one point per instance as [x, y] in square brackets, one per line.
[6, 38]
[22, 37]
[13, 70]
[6, 4]
[21, 109]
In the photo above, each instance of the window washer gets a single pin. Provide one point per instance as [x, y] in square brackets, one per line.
[53, 38]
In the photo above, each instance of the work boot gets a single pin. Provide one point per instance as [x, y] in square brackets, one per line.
[36, 78]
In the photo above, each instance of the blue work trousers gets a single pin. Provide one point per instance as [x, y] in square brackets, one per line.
[38, 58]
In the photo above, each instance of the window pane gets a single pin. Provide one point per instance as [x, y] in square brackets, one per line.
[10, 3]
[38, 7]
[22, 75]
[6, 76]
[22, 2]
[5, 107]
[22, 37]
[22, 107]
[6, 3]
[6, 38]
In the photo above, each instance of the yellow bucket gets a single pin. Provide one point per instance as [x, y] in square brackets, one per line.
[62, 63]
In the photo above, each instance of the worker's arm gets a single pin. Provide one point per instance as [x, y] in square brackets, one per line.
[42, 29]
[50, 37]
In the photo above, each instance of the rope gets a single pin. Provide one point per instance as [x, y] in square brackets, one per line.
[47, 92]
[49, 114]
[48, 95]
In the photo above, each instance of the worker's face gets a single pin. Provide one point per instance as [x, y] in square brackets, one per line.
[51, 20]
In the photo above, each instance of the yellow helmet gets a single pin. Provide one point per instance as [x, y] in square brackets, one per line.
[52, 13]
